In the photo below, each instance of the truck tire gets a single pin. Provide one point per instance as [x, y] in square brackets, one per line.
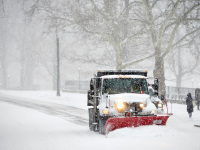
[102, 123]
[91, 119]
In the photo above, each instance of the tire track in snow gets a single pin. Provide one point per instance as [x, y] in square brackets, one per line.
[69, 113]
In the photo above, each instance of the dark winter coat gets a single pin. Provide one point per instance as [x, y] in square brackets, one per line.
[189, 103]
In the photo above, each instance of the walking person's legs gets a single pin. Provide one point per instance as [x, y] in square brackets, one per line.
[190, 115]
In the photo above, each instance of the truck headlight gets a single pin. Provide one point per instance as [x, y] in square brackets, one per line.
[153, 111]
[160, 105]
[120, 106]
[141, 105]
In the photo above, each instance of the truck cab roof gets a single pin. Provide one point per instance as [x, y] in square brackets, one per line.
[123, 76]
[141, 72]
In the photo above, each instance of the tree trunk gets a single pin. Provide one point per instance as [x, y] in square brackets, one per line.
[118, 59]
[179, 75]
[54, 74]
[3, 67]
[4, 74]
[178, 81]
[54, 77]
[118, 49]
[159, 73]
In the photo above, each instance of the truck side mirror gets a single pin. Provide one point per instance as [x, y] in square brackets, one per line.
[156, 86]
[92, 84]
[162, 97]
[151, 92]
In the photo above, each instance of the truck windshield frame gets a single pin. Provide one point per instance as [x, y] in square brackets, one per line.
[125, 85]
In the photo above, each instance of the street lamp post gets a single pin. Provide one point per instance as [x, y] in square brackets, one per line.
[58, 65]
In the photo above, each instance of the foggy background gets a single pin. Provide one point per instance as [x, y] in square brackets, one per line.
[91, 34]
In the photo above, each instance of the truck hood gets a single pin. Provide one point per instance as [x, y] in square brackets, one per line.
[129, 97]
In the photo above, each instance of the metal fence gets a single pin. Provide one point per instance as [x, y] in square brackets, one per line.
[76, 86]
[178, 93]
[172, 93]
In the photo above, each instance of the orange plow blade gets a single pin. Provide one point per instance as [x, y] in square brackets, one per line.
[116, 123]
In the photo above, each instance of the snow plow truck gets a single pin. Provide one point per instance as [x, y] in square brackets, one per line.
[123, 98]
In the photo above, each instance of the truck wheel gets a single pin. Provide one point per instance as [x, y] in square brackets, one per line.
[91, 119]
[102, 123]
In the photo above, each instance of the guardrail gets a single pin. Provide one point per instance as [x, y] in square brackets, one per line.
[74, 91]
[176, 101]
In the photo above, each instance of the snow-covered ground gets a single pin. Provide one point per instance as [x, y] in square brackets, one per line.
[23, 127]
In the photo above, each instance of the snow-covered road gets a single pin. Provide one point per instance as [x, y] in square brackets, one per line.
[41, 121]
[70, 113]
[26, 129]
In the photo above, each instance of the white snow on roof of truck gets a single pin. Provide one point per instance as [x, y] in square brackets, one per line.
[123, 70]
[123, 76]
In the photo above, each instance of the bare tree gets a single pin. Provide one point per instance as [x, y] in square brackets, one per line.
[108, 23]
[182, 66]
[165, 19]
[134, 30]
[2, 10]
[4, 29]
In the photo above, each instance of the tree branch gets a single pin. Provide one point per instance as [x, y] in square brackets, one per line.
[137, 61]
[184, 37]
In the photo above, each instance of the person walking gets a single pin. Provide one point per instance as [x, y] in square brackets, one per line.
[197, 97]
[189, 104]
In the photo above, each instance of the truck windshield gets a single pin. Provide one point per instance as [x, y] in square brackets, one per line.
[125, 85]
